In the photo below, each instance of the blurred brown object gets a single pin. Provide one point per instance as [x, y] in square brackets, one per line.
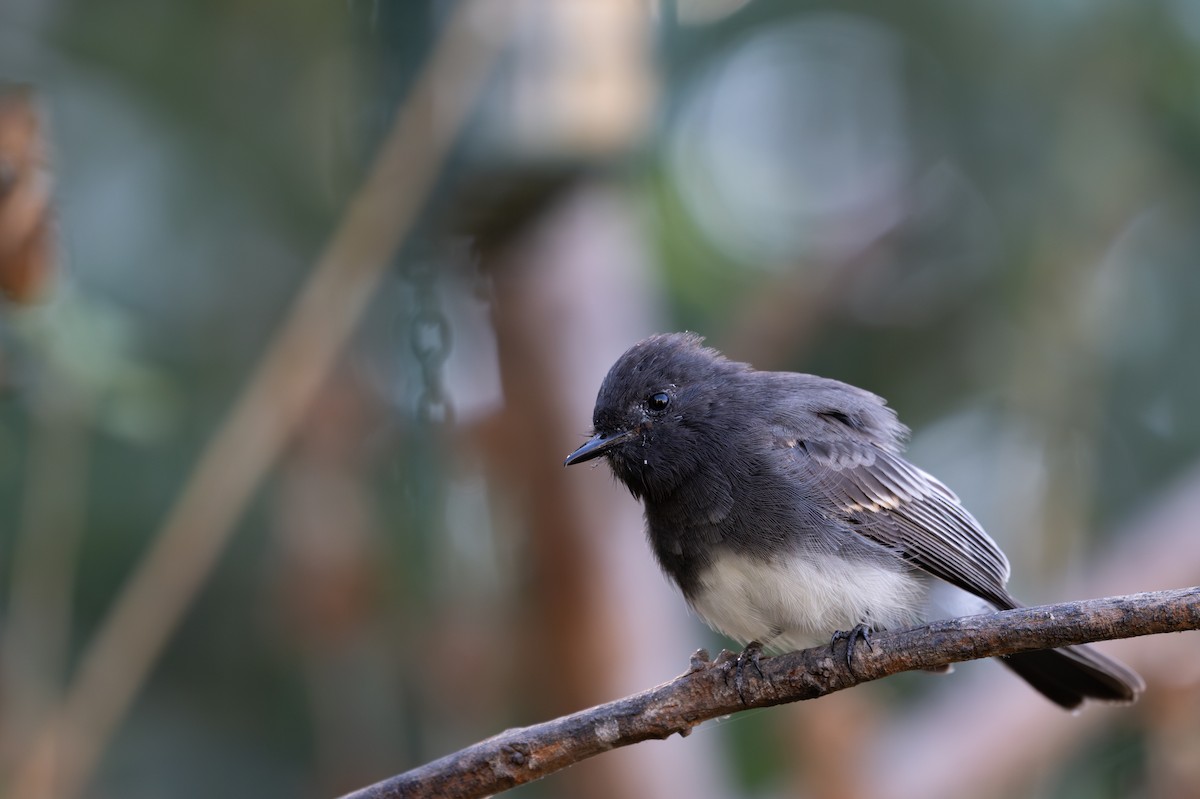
[26, 248]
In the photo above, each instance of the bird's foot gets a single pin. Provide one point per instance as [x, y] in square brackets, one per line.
[857, 632]
[749, 656]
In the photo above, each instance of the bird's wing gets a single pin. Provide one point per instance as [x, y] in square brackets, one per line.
[888, 500]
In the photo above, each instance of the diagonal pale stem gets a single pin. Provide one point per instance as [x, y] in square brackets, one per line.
[234, 462]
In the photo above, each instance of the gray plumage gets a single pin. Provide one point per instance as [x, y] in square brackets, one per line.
[781, 506]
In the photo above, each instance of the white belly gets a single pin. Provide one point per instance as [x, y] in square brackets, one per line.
[798, 602]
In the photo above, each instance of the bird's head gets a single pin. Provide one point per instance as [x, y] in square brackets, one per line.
[656, 415]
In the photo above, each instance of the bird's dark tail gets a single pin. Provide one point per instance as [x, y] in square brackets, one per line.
[1069, 676]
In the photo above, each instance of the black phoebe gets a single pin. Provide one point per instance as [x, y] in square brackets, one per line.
[780, 505]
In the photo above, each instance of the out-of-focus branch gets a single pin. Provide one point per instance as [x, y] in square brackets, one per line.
[36, 638]
[721, 687]
[296, 362]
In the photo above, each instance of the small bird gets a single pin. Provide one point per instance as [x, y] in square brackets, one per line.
[781, 506]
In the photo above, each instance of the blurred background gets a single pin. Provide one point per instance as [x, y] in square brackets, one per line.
[308, 302]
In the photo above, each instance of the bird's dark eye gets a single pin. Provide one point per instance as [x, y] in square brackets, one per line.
[658, 402]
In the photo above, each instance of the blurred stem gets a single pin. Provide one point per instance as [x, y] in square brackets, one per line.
[44, 562]
[233, 464]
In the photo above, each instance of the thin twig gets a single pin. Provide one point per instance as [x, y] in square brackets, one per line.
[714, 688]
[325, 312]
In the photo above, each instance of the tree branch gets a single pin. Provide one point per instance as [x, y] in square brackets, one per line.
[711, 689]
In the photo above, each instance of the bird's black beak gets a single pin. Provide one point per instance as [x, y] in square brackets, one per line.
[596, 446]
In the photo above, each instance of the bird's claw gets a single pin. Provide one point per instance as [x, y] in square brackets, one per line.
[750, 655]
[857, 632]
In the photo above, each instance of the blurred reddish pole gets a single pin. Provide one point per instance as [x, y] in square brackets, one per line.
[570, 295]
